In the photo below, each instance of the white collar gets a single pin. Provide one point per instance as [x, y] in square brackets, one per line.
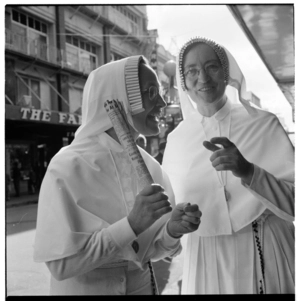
[219, 115]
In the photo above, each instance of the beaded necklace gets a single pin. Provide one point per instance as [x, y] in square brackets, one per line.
[152, 277]
[261, 258]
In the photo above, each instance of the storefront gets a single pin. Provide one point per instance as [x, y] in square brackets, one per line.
[32, 138]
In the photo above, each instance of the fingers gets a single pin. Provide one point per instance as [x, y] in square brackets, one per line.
[162, 211]
[220, 162]
[217, 159]
[224, 141]
[151, 189]
[159, 204]
[193, 211]
[217, 151]
[191, 219]
[181, 206]
[190, 226]
[210, 146]
[156, 197]
[225, 166]
[191, 208]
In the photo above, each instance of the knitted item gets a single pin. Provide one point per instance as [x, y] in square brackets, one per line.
[132, 84]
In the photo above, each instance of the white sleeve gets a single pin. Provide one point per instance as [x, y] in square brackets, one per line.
[277, 195]
[105, 246]
[165, 245]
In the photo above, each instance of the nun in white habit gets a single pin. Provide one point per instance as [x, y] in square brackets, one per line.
[237, 163]
[96, 229]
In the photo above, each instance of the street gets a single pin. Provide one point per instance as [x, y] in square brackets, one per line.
[25, 277]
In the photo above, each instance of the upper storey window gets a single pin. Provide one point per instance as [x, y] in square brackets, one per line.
[28, 35]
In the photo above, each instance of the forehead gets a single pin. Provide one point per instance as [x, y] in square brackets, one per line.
[147, 76]
[199, 53]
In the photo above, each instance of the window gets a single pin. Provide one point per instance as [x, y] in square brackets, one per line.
[79, 42]
[69, 39]
[23, 19]
[34, 93]
[81, 54]
[29, 35]
[126, 13]
[15, 16]
[29, 21]
[37, 45]
[75, 42]
[75, 99]
[29, 93]
[44, 28]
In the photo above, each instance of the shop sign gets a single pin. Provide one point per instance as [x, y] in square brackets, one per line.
[23, 113]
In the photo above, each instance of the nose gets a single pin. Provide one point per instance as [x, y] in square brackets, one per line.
[160, 101]
[203, 77]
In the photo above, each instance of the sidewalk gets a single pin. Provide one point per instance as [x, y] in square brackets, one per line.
[22, 200]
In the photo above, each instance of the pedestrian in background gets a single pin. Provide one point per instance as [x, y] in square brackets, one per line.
[31, 181]
[237, 163]
[16, 177]
[97, 229]
[7, 186]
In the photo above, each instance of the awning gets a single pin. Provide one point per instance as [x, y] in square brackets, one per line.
[270, 29]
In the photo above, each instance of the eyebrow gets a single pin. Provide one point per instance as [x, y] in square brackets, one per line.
[193, 65]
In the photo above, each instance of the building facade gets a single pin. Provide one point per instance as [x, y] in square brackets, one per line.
[49, 53]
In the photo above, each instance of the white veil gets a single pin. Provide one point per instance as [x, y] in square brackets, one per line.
[236, 80]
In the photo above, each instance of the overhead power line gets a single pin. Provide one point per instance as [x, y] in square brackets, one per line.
[106, 35]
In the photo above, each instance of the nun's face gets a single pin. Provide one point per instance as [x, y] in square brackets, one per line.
[147, 122]
[204, 76]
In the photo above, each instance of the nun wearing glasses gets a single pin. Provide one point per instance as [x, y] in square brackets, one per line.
[237, 163]
[97, 230]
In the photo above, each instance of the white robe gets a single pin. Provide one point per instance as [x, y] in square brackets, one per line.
[82, 229]
[221, 256]
[83, 234]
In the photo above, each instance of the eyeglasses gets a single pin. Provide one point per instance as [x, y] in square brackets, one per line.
[211, 70]
[153, 92]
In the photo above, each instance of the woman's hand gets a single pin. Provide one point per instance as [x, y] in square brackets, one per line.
[185, 218]
[229, 158]
[150, 204]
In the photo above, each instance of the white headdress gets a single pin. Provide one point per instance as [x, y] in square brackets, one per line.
[233, 76]
[115, 80]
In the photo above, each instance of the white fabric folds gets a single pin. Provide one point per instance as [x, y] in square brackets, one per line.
[90, 187]
[221, 257]
[257, 134]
